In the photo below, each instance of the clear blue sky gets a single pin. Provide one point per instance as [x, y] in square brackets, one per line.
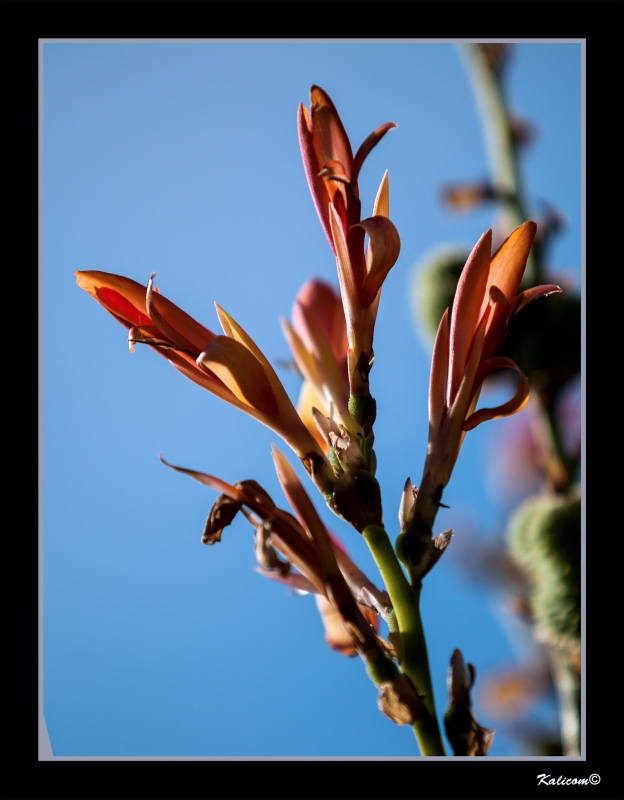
[182, 159]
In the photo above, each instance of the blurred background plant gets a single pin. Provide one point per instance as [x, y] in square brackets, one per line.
[533, 561]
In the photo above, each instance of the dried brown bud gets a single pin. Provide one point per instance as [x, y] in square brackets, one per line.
[440, 543]
[253, 489]
[221, 515]
[265, 553]
[522, 131]
[466, 736]
[399, 701]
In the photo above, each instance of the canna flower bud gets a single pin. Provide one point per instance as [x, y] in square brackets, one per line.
[485, 300]
[332, 173]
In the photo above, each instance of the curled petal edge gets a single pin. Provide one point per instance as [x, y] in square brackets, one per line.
[517, 402]
[524, 298]
[384, 249]
[367, 145]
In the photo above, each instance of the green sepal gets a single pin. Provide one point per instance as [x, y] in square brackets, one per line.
[363, 410]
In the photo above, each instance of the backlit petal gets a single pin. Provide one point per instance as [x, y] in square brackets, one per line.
[241, 372]
[509, 261]
[381, 207]
[349, 289]
[467, 311]
[517, 402]
[439, 376]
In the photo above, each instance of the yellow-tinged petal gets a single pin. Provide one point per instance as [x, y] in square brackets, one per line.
[309, 398]
[287, 422]
[468, 309]
[304, 359]
[329, 377]
[233, 330]
[241, 372]
[381, 207]
[517, 402]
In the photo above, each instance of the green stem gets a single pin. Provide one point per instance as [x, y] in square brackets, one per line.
[414, 658]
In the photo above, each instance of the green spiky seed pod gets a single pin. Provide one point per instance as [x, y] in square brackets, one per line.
[433, 285]
[545, 540]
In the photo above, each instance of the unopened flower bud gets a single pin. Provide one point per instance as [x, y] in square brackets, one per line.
[407, 505]
[466, 736]
[221, 515]
[399, 701]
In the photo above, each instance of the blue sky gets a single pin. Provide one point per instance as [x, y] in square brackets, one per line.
[183, 159]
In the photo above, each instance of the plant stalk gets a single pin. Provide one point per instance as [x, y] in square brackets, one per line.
[413, 656]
